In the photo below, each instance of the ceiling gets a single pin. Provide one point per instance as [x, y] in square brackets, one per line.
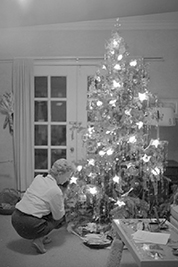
[23, 13]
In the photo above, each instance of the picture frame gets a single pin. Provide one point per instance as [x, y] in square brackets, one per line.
[171, 103]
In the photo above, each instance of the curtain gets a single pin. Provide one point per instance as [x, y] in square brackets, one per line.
[23, 138]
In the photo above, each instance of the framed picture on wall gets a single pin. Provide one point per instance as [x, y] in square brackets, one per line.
[170, 103]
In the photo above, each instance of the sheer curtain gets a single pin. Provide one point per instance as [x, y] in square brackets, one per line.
[23, 89]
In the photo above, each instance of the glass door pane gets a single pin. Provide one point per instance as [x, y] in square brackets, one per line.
[41, 110]
[55, 108]
[59, 86]
[58, 111]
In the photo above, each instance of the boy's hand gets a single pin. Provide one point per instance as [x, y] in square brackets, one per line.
[62, 221]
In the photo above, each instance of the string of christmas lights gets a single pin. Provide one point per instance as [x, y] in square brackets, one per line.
[124, 167]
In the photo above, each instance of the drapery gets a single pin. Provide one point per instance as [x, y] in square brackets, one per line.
[23, 137]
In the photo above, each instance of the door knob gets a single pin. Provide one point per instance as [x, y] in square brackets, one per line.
[72, 149]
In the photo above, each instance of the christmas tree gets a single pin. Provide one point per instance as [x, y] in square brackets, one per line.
[122, 175]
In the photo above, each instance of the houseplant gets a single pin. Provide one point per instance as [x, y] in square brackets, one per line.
[8, 196]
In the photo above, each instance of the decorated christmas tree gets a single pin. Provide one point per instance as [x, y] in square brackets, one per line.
[122, 175]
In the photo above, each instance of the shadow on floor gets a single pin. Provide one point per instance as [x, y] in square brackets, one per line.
[21, 246]
[24, 246]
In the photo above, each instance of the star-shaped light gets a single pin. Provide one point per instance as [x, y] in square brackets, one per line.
[155, 142]
[139, 124]
[93, 190]
[116, 179]
[117, 67]
[90, 130]
[73, 180]
[142, 96]
[91, 162]
[116, 84]
[115, 43]
[113, 102]
[132, 139]
[127, 112]
[120, 203]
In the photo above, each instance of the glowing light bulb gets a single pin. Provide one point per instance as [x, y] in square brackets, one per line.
[117, 67]
[90, 130]
[99, 103]
[115, 43]
[146, 247]
[102, 153]
[132, 139]
[109, 151]
[133, 63]
[119, 57]
[79, 168]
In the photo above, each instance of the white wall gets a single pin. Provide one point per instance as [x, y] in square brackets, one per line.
[151, 36]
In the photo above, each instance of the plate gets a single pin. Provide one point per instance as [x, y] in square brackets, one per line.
[97, 245]
[97, 241]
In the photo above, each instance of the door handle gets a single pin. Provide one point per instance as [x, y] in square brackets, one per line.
[72, 149]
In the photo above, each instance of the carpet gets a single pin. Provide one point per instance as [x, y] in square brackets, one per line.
[66, 250]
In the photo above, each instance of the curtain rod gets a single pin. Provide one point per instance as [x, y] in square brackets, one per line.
[77, 59]
[96, 58]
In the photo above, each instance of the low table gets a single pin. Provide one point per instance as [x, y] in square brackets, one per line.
[126, 227]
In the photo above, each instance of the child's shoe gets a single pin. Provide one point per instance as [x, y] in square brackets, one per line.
[38, 243]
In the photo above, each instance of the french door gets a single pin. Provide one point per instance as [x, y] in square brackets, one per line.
[60, 101]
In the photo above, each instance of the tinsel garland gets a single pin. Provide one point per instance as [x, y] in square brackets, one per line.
[122, 174]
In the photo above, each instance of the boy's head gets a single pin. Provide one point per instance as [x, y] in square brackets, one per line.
[61, 171]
